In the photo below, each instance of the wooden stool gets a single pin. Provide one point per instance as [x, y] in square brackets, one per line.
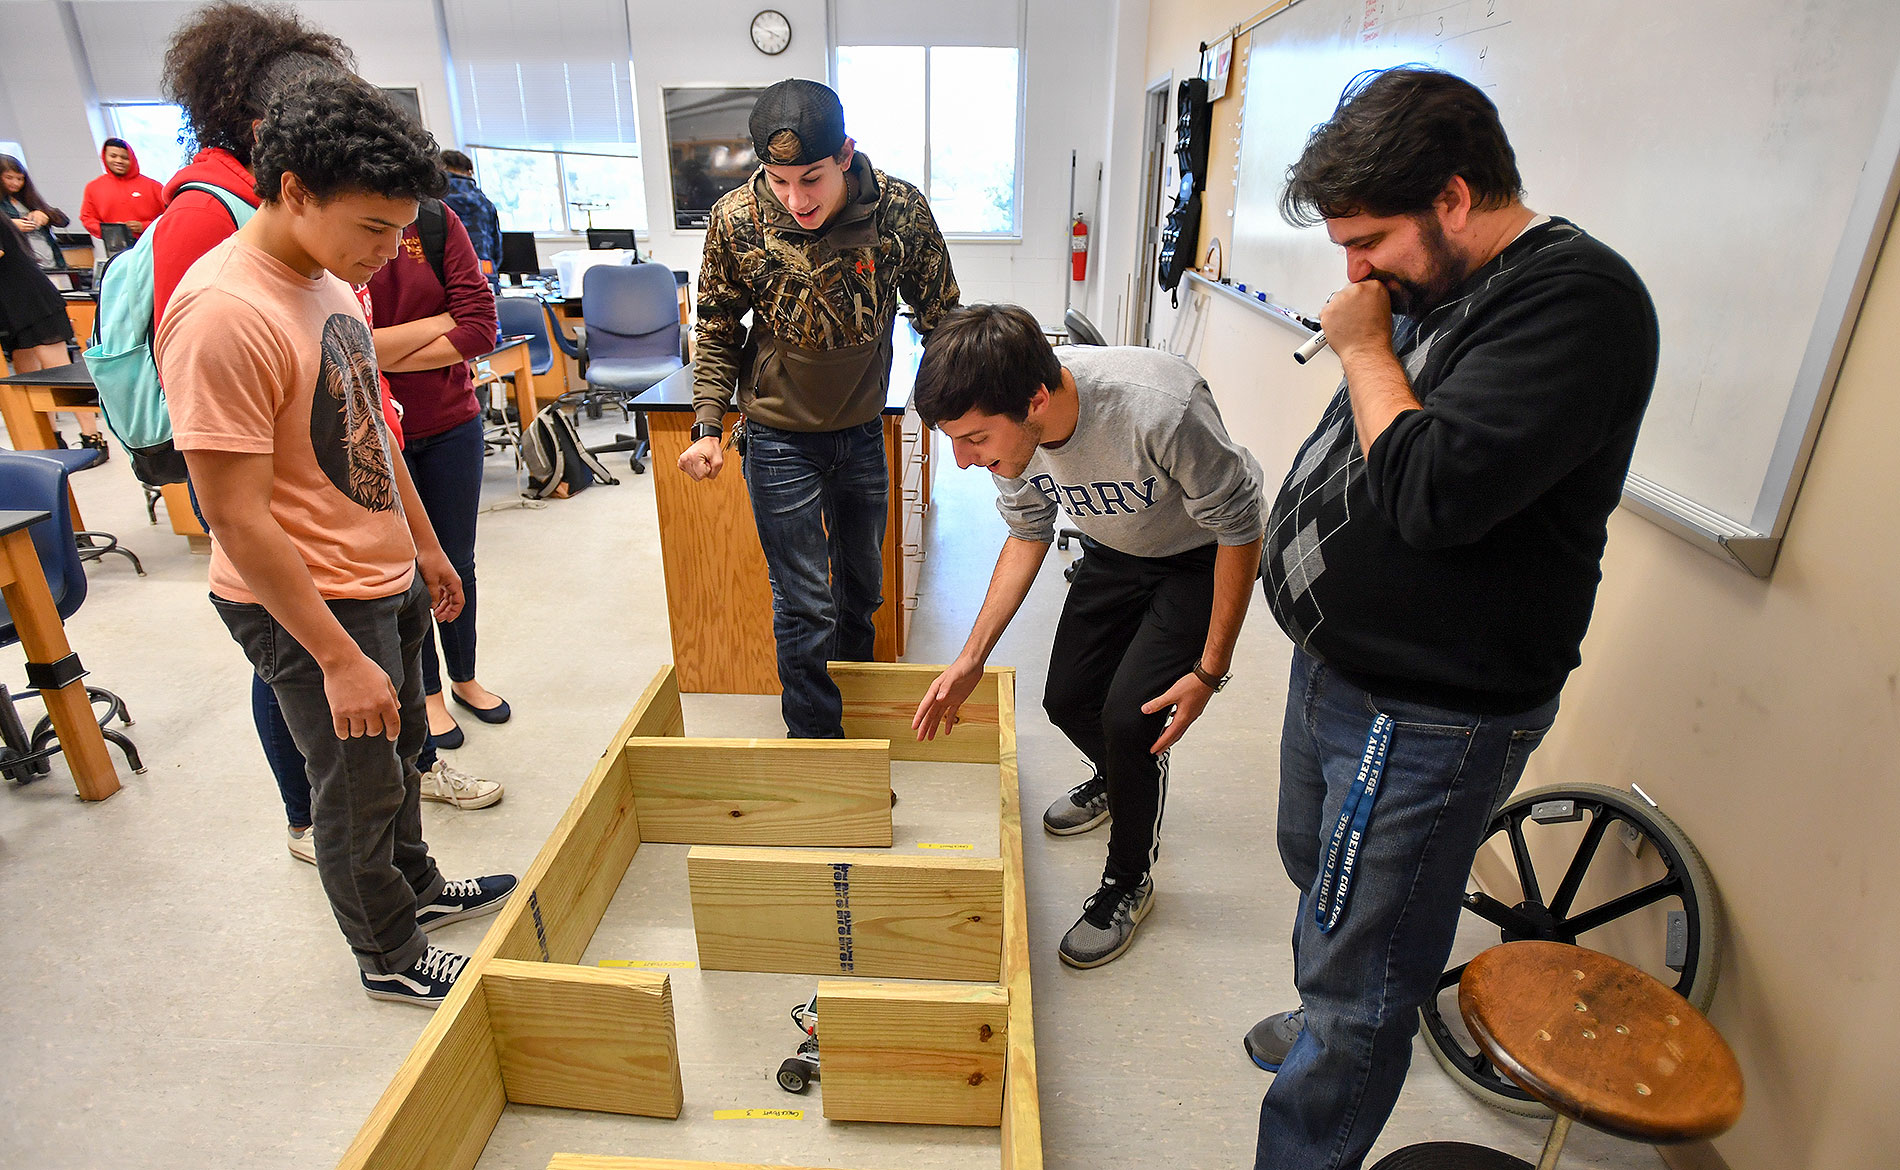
[1600, 1042]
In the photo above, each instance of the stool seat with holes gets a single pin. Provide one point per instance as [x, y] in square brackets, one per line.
[1598, 1041]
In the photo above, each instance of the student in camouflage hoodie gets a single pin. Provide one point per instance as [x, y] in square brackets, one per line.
[818, 246]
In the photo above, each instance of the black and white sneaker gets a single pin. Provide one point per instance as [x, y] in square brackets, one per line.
[1107, 925]
[466, 898]
[427, 983]
[1080, 809]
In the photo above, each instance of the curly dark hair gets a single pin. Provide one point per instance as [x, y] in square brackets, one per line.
[1395, 139]
[223, 64]
[341, 135]
[990, 358]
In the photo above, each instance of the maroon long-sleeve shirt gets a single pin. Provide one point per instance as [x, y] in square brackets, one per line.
[406, 289]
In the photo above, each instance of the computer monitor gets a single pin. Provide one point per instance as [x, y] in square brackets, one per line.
[116, 237]
[709, 146]
[598, 238]
[519, 258]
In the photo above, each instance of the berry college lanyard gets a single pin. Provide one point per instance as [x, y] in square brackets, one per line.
[1329, 901]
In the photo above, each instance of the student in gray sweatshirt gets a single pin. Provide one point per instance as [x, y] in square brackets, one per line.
[1129, 443]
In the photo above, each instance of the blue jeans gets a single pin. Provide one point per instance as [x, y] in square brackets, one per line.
[819, 501]
[447, 470]
[1362, 984]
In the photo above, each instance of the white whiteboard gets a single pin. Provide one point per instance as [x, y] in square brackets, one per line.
[1722, 146]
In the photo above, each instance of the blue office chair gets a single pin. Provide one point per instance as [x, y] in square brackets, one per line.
[631, 342]
[33, 482]
[519, 315]
[94, 546]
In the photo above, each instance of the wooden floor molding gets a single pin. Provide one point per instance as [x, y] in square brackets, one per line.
[526, 1025]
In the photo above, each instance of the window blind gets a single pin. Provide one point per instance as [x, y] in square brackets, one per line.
[929, 22]
[548, 73]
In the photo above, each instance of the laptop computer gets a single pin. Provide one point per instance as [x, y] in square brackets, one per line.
[116, 237]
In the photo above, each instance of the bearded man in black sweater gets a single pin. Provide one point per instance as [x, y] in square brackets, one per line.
[1434, 556]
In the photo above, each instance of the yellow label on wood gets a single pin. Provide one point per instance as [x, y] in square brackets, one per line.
[675, 964]
[941, 845]
[758, 1114]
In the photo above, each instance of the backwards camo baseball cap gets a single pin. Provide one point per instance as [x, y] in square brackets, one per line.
[810, 110]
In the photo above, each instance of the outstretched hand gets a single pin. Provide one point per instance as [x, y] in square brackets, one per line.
[1189, 698]
[944, 698]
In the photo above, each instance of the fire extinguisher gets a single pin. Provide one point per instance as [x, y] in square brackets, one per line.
[1079, 248]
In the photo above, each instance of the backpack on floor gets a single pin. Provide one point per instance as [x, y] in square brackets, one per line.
[558, 464]
[120, 357]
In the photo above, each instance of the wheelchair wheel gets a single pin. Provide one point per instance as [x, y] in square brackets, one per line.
[1646, 894]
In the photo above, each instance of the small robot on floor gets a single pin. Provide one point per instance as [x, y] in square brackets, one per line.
[798, 1072]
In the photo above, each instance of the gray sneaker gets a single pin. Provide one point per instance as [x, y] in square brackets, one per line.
[1107, 925]
[1080, 809]
[1268, 1042]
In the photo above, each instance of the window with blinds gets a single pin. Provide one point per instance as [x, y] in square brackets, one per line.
[544, 97]
[545, 74]
[928, 90]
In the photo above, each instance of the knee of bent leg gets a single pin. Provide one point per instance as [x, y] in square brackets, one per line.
[1067, 706]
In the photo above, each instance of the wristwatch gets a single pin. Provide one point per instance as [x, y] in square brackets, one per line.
[706, 430]
[1210, 680]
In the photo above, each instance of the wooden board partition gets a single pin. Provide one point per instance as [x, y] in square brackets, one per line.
[558, 905]
[880, 699]
[925, 1054]
[1022, 1100]
[445, 1099]
[820, 913]
[762, 792]
[524, 1024]
[584, 1037]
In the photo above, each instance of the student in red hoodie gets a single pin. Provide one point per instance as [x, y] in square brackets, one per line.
[222, 66]
[442, 426]
[121, 195]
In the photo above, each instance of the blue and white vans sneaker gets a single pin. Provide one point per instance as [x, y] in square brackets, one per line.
[426, 983]
[466, 898]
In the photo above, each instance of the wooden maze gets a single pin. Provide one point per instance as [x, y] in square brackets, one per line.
[526, 1024]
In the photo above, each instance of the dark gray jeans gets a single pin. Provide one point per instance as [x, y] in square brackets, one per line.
[365, 793]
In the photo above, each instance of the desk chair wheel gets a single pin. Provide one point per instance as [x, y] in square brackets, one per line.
[1648, 885]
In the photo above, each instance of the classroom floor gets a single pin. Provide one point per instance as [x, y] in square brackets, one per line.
[178, 994]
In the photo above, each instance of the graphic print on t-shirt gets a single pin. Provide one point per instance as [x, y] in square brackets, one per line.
[1097, 498]
[346, 418]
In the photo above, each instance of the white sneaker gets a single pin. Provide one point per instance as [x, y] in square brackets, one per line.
[451, 785]
[303, 843]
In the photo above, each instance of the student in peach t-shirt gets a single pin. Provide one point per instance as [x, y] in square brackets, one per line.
[323, 563]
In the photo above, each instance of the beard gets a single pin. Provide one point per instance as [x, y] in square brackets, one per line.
[1414, 296]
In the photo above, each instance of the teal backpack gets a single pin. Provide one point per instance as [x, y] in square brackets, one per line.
[120, 357]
